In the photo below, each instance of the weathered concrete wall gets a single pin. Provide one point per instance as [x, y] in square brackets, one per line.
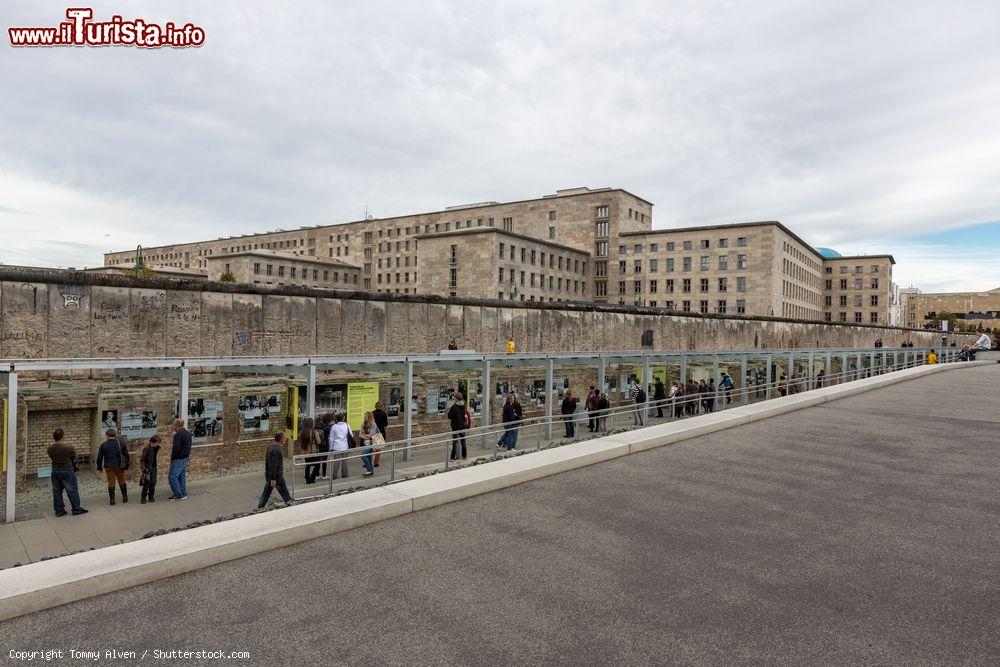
[51, 314]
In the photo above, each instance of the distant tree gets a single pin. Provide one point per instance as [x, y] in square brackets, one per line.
[145, 272]
[952, 318]
[227, 277]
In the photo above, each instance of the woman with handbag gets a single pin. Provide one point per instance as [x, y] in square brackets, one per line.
[113, 458]
[309, 440]
[369, 442]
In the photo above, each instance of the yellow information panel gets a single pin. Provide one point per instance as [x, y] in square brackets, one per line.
[659, 373]
[361, 398]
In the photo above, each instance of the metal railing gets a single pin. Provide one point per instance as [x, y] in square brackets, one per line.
[423, 454]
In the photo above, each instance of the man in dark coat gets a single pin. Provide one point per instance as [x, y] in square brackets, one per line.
[113, 458]
[274, 471]
[180, 454]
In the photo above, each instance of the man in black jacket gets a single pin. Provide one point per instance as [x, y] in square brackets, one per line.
[180, 453]
[274, 471]
[459, 421]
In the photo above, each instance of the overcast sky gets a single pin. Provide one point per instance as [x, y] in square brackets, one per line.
[863, 126]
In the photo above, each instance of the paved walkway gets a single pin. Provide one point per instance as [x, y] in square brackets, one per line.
[865, 530]
[46, 536]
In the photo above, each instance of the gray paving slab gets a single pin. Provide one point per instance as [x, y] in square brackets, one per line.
[866, 530]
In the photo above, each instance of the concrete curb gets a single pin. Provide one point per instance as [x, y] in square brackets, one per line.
[47, 584]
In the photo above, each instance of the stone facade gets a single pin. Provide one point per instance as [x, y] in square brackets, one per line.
[581, 218]
[272, 267]
[858, 289]
[511, 266]
[974, 309]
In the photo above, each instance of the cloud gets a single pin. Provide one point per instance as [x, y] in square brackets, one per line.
[853, 123]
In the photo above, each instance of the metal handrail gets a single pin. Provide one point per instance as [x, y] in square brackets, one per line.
[674, 406]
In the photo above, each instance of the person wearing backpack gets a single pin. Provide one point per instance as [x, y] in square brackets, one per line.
[640, 405]
[512, 415]
[727, 387]
[113, 458]
[458, 418]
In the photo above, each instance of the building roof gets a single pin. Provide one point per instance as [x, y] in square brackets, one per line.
[287, 256]
[494, 230]
[891, 259]
[559, 194]
[731, 225]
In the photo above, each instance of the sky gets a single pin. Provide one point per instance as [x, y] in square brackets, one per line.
[865, 127]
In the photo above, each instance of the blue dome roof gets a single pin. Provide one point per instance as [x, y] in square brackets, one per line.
[828, 253]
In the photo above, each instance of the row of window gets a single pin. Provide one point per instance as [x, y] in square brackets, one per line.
[530, 255]
[721, 306]
[800, 256]
[301, 272]
[670, 246]
[400, 277]
[555, 283]
[858, 300]
[669, 263]
[858, 283]
[722, 285]
[858, 317]
[857, 269]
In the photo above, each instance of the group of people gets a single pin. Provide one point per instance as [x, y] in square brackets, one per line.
[114, 459]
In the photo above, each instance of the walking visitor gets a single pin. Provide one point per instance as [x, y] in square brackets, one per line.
[309, 443]
[382, 422]
[274, 471]
[659, 396]
[369, 431]
[512, 415]
[341, 436]
[591, 405]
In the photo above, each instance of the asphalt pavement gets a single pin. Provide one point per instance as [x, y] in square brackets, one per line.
[861, 531]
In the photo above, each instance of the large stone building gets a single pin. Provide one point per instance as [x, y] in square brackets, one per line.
[576, 245]
[974, 309]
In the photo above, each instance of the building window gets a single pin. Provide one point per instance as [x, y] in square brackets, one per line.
[281, 271]
[829, 284]
[721, 308]
[827, 317]
[602, 212]
[704, 285]
[686, 306]
[454, 255]
[857, 283]
[703, 306]
[602, 248]
[828, 301]
[653, 266]
[622, 267]
[874, 300]
[857, 317]
[874, 268]
[874, 317]
[843, 300]
[704, 262]
[843, 269]
[687, 263]
[552, 232]
[256, 268]
[857, 300]
[741, 261]
[723, 243]
[741, 284]
[637, 286]
[602, 230]
[722, 284]
[508, 224]
[621, 286]
[669, 286]
[269, 270]
[741, 306]
[843, 283]
[652, 287]
[874, 283]
[653, 247]
[601, 268]
[687, 245]
[842, 316]
[454, 277]
[637, 266]
[602, 289]
[723, 262]
[686, 285]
